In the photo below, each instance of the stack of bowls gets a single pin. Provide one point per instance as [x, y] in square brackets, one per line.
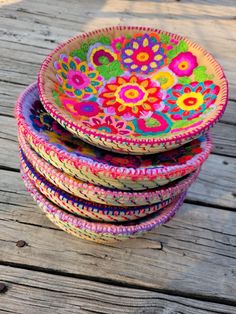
[116, 129]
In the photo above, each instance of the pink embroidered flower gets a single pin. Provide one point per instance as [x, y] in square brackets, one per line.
[183, 64]
[87, 108]
[109, 125]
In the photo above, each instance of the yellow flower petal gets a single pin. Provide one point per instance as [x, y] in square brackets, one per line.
[158, 57]
[128, 60]
[144, 68]
[135, 45]
[145, 42]
[134, 66]
[155, 48]
[129, 52]
[153, 64]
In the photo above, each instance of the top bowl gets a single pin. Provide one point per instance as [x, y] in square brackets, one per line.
[133, 90]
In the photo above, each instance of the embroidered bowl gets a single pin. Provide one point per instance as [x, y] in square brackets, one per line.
[99, 167]
[99, 194]
[133, 90]
[97, 231]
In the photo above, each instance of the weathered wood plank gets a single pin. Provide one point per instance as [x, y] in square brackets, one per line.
[185, 255]
[36, 292]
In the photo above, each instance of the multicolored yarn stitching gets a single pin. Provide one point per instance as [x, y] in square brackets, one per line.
[135, 90]
[99, 194]
[100, 232]
[90, 210]
[99, 167]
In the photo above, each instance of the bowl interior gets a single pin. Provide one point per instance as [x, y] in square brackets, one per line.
[133, 83]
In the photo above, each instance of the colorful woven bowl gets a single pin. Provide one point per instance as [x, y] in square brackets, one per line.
[84, 208]
[134, 90]
[100, 232]
[90, 164]
[99, 194]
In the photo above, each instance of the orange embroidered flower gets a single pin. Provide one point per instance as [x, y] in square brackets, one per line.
[131, 95]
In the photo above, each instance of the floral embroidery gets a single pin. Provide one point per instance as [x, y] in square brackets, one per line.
[189, 101]
[165, 77]
[41, 120]
[108, 125]
[141, 84]
[99, 54]
[118, 43]
[183, 64]
[143, 54]
[131, 95]
[87, 108]
[156, 123]
[127, 161]
[77, 78]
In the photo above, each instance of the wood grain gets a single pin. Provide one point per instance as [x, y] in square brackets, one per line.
[36, 292]
[198, 243]
[193, 255]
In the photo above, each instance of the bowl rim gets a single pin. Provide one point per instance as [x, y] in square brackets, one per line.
[162, 192]
[57, 115]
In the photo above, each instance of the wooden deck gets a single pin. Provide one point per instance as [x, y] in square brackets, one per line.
[186, 266]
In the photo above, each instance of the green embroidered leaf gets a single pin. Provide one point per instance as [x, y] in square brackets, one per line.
[91, 42]
[85, 47]
[111, 70]
[61, 89]
[165, 39]
[78, 53]
[200, 74]
[172, 53]
[105, 40]
[54, 93]
[184, 80]
[128, 36]
[182, 46]
[200, 68]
